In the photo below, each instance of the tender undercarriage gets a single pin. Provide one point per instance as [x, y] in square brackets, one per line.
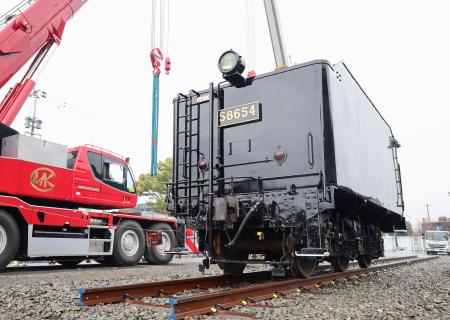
[294, 238]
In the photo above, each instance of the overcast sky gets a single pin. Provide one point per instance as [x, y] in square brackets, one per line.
[397, 50]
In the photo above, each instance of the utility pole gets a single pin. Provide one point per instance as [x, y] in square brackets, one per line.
[428, 212]
[33, 122]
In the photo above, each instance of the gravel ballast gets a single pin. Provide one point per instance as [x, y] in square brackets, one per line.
[420, 291]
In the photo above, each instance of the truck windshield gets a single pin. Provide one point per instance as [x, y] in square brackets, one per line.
[130, 182]
[437, 236]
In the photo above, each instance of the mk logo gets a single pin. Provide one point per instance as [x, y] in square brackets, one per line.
[40, 179]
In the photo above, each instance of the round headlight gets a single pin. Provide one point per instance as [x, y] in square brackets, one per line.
[230, 62]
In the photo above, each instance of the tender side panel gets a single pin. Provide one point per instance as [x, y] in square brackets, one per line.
[364, 163]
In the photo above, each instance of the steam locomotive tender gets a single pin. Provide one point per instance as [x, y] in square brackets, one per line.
[294, 167]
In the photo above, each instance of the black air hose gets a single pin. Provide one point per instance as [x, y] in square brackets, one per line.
[244, 222]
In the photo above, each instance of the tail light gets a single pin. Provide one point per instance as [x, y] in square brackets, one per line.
[203, 165]
[280, 156]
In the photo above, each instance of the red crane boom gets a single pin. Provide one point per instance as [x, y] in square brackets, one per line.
[31, 33]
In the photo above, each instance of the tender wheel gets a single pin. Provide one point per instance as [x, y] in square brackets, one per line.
[364, 261]
[9, 238]
[129, 244]
[340, 263]
[69, 263]
[302, 267]
[157, 255]
[232, 268]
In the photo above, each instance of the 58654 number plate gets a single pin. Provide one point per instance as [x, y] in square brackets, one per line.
[248, 112]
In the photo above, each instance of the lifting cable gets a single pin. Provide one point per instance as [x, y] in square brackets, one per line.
[157, 58]
[250, 33]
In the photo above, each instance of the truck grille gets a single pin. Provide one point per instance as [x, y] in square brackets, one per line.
[437, 246]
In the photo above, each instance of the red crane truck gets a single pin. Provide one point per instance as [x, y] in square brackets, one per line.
[57, 203]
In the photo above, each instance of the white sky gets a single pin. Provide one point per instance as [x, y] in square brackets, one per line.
[397, 50]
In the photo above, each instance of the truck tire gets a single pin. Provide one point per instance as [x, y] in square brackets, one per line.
[156, 255]
[129, 244]
[9, 239]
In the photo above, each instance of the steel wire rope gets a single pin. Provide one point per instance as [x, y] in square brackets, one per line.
[247, 31]
[161, 23]
[152, 27]
[252, 34]
[168, 28]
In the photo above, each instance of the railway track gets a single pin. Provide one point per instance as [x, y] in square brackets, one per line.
[258, 286]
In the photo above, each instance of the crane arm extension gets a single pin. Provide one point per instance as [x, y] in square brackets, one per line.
[43, 22]
[276, 35]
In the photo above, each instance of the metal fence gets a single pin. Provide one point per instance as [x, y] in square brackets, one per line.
[403, 245]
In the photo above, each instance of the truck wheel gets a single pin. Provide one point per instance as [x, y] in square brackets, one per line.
[9, 239]
[156, 255]
[129, 244]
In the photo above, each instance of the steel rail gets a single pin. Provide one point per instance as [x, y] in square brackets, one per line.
[214, 302]
[126, 293]
[116, 294]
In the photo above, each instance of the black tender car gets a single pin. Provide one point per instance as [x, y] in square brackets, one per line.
[297, 165]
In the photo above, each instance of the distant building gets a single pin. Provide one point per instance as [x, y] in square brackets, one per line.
[439, 224]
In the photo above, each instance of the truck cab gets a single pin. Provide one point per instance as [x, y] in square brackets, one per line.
[437, 242]
[46, 173]
[101, 178]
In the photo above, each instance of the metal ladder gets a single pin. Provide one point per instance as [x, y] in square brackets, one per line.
[190, 153]
[398, 178]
